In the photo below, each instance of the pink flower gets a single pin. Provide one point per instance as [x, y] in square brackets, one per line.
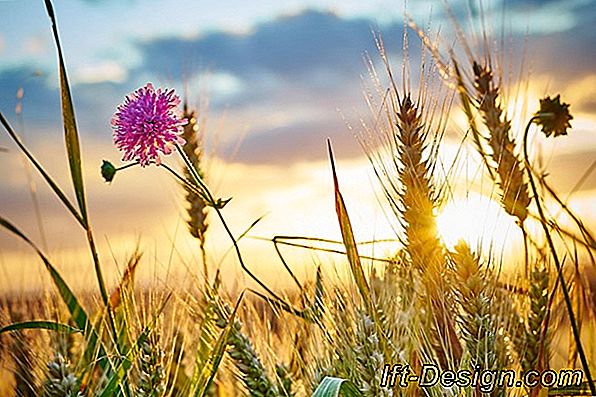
[146, 123]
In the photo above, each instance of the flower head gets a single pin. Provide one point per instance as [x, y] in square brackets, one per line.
[553, 116]
[147, 123]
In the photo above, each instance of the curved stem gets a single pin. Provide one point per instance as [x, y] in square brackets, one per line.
[172, 171]
[526, 249]
[127, 166]
[551, 244]
[213, 203]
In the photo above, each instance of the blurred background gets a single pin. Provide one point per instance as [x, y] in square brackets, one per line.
[271, 80]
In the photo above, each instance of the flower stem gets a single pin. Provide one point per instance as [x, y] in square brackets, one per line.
[127, 166]
[210, 200]
[568, 303]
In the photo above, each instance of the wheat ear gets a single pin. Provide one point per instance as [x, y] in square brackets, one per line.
[478, 323]
[418, 203]
[535, 355]
[514, 189]
[247, 362]
[61, 380]
[197, 209]
[152, 376]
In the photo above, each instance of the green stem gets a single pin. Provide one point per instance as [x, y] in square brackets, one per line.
[126, 166]
[551, 244]
[204, 192]
[182, 179]
[213, 203]
[74, 212]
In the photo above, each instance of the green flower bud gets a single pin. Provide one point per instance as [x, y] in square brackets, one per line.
[108, 171]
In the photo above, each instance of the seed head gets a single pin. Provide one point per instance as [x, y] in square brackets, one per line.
[553, 116]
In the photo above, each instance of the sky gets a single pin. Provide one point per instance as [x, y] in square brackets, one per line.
[273, 80]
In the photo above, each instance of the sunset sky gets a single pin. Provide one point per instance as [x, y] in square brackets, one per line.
[279, 78]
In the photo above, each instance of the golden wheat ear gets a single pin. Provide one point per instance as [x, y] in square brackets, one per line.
[196, 208]
[515, 198]
[474, 294]
[250, 367]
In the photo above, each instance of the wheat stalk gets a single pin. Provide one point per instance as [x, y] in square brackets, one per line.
[477, 319]
[418, 203]
[514, 190]
[22, 354]
[61, 380]
[197, 209]
[246, 360]
[417, 196]
[152, 376]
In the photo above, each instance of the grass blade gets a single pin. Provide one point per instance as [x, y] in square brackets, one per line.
[349, 241]
[77, 313]
[41, 170]
[210, 369]
[117, 379]
[335, 387]
[354, 258]
[73, 149]
[49, 325]
[71, 135]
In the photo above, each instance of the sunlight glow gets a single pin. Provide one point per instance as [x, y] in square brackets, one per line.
[478, 220]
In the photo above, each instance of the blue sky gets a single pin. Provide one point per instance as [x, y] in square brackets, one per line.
[301, 57]
[279, 76]
[115, 46]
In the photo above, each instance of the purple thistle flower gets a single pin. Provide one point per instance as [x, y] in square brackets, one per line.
[146, 123]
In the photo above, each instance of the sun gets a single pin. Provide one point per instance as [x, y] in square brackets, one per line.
[478, 220]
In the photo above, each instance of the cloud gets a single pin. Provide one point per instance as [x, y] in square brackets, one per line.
[297, 142]
[299, 68]
[40, 101]
[37, 45]
[568, 54]
[95, 97]
[292, 47]
[108, 71]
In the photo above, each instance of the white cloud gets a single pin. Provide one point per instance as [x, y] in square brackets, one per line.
[219, 85]
[36, 45]
[108, 71]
